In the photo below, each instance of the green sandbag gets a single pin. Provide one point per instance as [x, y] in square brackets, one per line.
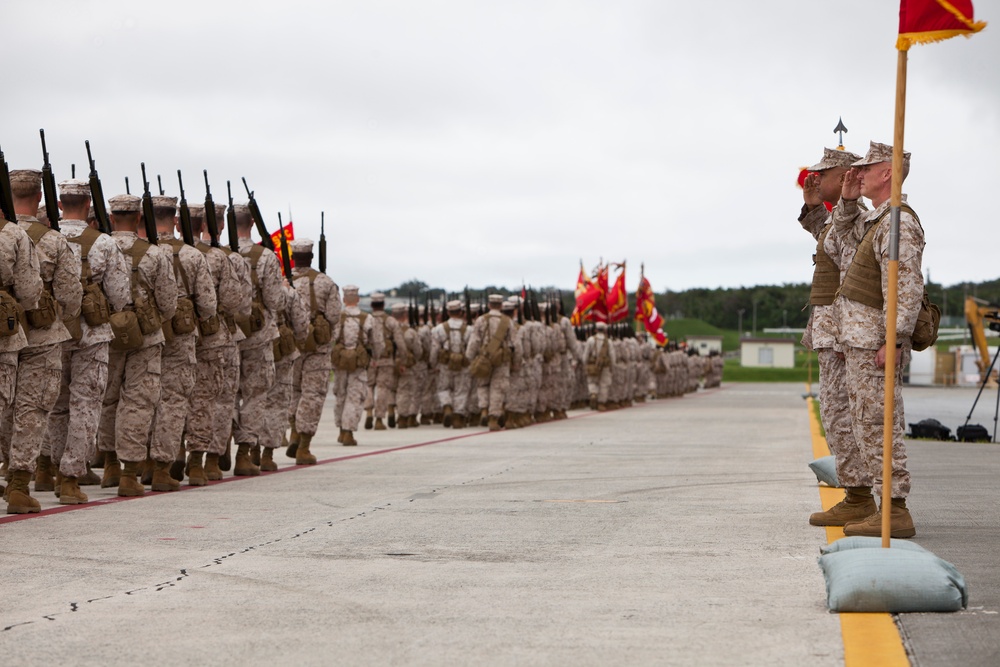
[825, 469]
[859, 542]
[877, 580]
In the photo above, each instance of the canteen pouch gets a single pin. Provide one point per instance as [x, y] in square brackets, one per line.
[321, 331]
[10, 314]
[286, 340]
[344, 359]
[128, 335]
[208, 326]
[94, 306]
[46, 314]
[147, 316]
[309, 344]
[184, 320]
[481, 367]
[456, 361]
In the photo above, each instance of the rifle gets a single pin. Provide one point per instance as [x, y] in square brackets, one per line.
[97, 195]
[49, 187]
[72, 170]
[186, 230]
[258, 220]
[468, 307]
[322, 243]
[234, 239]
[6, 196]
[127, 191]
[427, 307]
[159, 182]
[210, 220]
[147, 208]
[286, 259]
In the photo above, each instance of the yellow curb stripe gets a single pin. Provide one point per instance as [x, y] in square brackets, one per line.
[869, 639]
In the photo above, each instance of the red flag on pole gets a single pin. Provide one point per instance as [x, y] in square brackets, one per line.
[617, 299]
[586, 294]
[645, 311]
[599, 313]
[276, 239]
[922, 21]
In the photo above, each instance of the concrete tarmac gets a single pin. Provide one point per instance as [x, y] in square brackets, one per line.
[672, 533]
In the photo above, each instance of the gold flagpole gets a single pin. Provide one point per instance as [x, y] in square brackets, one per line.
[895, 202]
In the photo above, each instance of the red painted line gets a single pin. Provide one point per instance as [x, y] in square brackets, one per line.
[95, 504]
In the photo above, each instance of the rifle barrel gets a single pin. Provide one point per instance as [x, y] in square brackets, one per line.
[97, 195]
[148, 218]
[49, 187]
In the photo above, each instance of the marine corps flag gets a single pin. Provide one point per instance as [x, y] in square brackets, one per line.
[276, 239]
[599, 313]
[586, 294]
[922, 21]
[617, 299]
[645, 311]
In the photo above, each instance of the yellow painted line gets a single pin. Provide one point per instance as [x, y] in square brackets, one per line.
[870, 640]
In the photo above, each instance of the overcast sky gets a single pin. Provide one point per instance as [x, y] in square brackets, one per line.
[464, 142]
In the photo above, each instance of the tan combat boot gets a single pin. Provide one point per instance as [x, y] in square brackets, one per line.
[90, 479]
[340, 438]
[70, 493]
[267, 463]
[448, 418]
[244, 466]
[112, 470]
[349, 440]
[379, 426]
[511, 420]
[162, 481]
[213, 470]
[19, 501]
[404, 422]
[293, 440]
[369, 420]
[593, 401]
[303, 457]
[129, 486]
[59, 480]
[560, 414]
[196, 470]
[146, 471]
[458, 421]
[426, 420]
[44, 474]
[392, 416]
[255, 455]
[413, 421]
[857, 505]
[602, 407]
[484, 417]
[494, 423]
[900, 523]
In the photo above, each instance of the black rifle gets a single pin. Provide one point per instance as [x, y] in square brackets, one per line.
[6, 196]
[322, 242]
[159, 182]
[72, 170]
[97, 195]
[468, 307]
[147, 208]
[211, 222]
[127, 190]
[234, 238]
[186, 231]
[49, 187]
[286, 259]
[258, 220]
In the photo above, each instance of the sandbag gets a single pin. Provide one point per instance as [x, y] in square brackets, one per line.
[876, 580]
[825, 469]
[859, 542]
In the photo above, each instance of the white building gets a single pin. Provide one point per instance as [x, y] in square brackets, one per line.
[767, 352]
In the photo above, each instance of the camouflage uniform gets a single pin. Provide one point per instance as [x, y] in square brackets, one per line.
[518, 392]
[382, 375]
[294, 314]
[407, 358]
[353, 328]
[134, 376]
[20, 277]
[312, 369]
[492, 390]
[599, 384]
[73, 422]
[257, 369]
[39, 367]
[453, 377]
[178, 361]
[862, 333]
[226, 400]
[211, 353]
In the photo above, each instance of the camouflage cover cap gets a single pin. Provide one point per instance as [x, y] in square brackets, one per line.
[496, 299]
[378, 296]
[220, 212]
[241, 209]
[507, 305]
[125, 204]
[835, 158]
[514, 299]
[454, 305]
[26, 176]
[162, 201]
[74, 186]
[302, 245]
[350, 290]
[398, 308]
[197, 210]
[602, 326]
[879, 153]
